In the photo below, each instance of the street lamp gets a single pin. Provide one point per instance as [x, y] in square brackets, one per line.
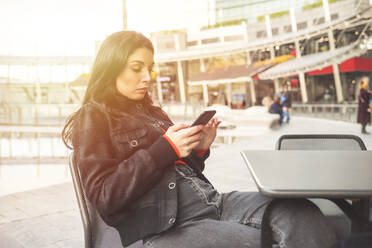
[125, 22]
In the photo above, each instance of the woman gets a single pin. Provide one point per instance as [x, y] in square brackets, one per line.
[144, 174]
[364, 110]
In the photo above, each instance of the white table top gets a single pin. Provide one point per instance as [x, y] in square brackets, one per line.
[298, 173]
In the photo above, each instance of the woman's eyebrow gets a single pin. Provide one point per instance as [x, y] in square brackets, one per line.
[137, 61]
[140, 62]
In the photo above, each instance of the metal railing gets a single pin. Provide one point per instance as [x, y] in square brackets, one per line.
[31, 133]
[342, 112]
[37, 128]
[187, 110]
[35, 114]
[56, 114]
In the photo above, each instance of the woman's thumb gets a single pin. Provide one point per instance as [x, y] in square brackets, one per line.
[177, 127]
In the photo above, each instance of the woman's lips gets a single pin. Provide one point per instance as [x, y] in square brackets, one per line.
[143, 90]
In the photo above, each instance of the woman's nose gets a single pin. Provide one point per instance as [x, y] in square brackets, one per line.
[146, 76]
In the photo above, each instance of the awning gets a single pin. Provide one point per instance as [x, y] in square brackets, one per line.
[350, 65]
[230, 74]
[315, 61]
[237, 73]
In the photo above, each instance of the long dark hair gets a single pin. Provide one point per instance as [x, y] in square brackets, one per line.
[111, 59]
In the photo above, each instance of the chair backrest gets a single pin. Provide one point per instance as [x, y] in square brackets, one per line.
[97, 234]
[320, 142]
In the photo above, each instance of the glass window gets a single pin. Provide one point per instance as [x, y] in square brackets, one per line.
[261, 34]
[210, 40]
[301, 25]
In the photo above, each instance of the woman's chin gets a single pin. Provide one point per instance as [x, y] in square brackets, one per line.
[138, 96]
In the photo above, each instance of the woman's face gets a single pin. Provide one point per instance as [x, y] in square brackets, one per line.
[135, 78]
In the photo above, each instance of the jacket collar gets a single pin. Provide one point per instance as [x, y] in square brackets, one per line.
[118, 103]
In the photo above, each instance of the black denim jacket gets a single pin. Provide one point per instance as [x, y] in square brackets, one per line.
[126, 166]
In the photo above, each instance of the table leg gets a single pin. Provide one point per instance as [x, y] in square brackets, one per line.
[361, 221]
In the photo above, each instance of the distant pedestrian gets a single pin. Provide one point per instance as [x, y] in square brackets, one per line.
[364, 110]
[267, 101]
[276, 108]
[286, 101]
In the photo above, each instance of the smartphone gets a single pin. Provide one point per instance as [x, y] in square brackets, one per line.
[204, 118]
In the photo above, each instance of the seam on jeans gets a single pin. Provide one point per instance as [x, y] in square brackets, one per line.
[197, 188]
[218, 206]
[148, 244]
[149, 241]
[281, 236]
[257, 223]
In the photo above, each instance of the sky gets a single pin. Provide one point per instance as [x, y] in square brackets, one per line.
[71, 27]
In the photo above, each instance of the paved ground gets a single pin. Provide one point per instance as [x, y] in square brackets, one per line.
[49, 217]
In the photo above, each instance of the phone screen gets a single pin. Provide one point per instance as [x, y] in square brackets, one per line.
[204, 118]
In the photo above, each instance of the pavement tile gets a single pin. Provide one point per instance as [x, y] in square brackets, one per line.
[8, 242]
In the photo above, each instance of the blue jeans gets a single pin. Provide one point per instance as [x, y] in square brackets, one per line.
[285, 114]
[206, 218]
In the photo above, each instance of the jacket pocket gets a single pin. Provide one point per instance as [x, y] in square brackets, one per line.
[132, 140]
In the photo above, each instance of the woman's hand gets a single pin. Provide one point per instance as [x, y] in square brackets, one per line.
[185, 138]
[208, 134]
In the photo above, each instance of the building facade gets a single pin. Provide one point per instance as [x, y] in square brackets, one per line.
[265, 37]
[296, 28]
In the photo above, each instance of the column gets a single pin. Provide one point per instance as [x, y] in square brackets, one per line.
[251, 82]
[331, 41]
[125, 19]
[272, 51]
[205, 93]
[157, 69]
[301, 75]
[253, 92]
[276, 80]
[204, 85]
[245, 31]
[66, 86]
[268, 26]
[181, 83]
[8, 97]
[50, 79]
[158, 84]
[229, 94]
[38, 86]
[211, 12]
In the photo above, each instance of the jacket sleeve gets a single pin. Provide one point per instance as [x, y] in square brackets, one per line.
[110, 184]
[197, 162]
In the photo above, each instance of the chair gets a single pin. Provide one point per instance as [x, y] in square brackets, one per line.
[336, 217]
[97, 234]
[319, 142]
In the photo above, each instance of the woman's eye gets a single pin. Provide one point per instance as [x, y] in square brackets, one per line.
[136, 69]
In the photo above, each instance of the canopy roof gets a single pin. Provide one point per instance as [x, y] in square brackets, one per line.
[235, 73]
[222, 49]
[314, 61]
